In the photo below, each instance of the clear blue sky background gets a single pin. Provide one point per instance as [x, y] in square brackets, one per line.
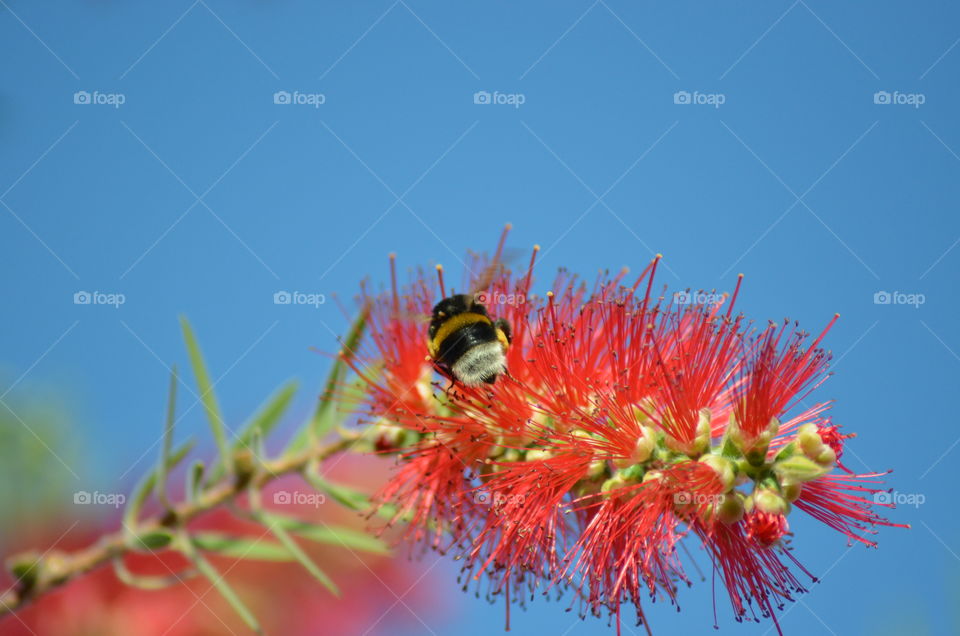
[799, 179]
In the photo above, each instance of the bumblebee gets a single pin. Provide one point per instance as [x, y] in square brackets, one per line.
[466, 343]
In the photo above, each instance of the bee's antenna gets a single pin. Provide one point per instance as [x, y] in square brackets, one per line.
[443, 292]
[393, 281]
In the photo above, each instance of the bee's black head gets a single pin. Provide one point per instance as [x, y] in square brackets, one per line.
[458, 304]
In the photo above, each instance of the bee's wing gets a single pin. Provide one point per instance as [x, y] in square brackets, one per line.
[485, 269]
[414, 316]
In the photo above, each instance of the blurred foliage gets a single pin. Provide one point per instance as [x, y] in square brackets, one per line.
[34, 430]
[206, 545]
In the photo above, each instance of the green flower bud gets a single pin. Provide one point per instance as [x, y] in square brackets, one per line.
[596, 469]
[827, 456]
[642, 450]
[792, 492]
[650, 475]
[538, 454]
[755, 449]
[731, 509]
[704, 431]
[614, 483]
[810, 442]
[725, 469]
[701, 441]
[798, 469]
[770, 501]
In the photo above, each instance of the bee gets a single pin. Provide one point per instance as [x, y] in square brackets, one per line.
[466, 343]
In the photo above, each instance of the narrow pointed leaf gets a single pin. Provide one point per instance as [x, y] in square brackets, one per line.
[219, 582]
[131, 513]
[344, 495]
[241, 547]
[334, 535]
[269, 414]
[207, 396]
[276, 528]
[194, 477]
[167, 440]
[324, 416]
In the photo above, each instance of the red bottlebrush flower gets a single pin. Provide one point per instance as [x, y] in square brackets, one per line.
[765, 528]
[624, 426]
[777, 370]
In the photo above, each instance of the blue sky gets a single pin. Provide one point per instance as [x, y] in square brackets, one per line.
[810, 146]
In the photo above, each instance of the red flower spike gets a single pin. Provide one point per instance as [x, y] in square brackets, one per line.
[697, 357]
[623, 427]
[779, 371]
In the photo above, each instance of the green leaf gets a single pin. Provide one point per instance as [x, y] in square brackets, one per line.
[324, 417]
[344, 495]
[207, 396]
[334, 535]
[258, 427]
[131, 514]
[241, 547]
[276, 528]
[167, 440]
[217, 580]
[268, 415]
[194, 477]
[353, 498]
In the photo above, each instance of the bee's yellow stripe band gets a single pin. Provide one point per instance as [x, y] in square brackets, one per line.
[502, 337]
[452, 324]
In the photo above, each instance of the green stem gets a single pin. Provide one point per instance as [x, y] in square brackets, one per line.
[55, 568]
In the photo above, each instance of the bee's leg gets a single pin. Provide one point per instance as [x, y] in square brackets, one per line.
[449, 388]
[445, 372]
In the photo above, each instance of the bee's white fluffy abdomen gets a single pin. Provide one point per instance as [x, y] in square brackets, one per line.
[480, 363]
